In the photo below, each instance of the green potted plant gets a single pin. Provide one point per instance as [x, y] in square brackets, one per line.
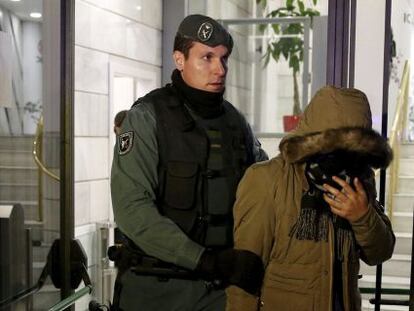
[290, 46]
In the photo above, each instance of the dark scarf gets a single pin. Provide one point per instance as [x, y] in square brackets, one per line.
[315, 214]
[206, 104]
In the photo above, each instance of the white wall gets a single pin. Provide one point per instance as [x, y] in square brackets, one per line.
[12, 124]
[238, 86]
[369, 54]
[32, 77]
[127, 31]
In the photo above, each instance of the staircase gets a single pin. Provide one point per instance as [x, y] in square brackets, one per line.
[396, 271]
[18, 174]
[19, 184]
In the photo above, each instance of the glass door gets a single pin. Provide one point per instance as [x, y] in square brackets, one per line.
[30, 147]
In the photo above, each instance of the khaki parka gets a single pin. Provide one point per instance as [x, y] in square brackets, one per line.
[299, 273]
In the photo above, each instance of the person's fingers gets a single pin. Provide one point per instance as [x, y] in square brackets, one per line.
[331, 190]
[335, 193]
[332, 200]
[345, 186]
[358, 186]
[335, 206]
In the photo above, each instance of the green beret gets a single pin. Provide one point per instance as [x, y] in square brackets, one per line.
[205, 30]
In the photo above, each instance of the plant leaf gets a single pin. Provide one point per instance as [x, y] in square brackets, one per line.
[262, 27]
[294, 63]
[289, 3]
[301, 7]
[262, 2]
[291, 45]
[276, 28]
[266, 58]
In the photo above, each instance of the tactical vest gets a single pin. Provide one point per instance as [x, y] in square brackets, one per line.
[200, 164]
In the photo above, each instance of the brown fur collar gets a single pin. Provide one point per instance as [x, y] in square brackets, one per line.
[365, 142]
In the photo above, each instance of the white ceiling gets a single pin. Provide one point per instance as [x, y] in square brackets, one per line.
[23, 8]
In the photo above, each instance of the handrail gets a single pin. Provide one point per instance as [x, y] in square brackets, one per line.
[26, 292]
[396, 135]
[37, 144]
[61, 305]
[385, 291]
[37, 152]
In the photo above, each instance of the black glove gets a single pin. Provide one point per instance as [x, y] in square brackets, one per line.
[233, 267]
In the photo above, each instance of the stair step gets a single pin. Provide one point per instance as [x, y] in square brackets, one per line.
[18, 191]
[405, 184]
[404, 202]
[16, 174]
[403, 243]
[36, 229]
[46, 297]
[407, 150]
[367, 306]
[23, 142]
[30, 208]
[33, 223]
[402, 221]
[387, 281]
[40, 252]
[38, 267]
[398, 265]
[16, 158]
[406, 166]
[368, 281]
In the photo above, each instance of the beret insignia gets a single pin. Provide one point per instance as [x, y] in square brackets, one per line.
[205, 31]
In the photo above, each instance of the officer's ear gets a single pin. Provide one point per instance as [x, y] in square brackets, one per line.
[179, 59]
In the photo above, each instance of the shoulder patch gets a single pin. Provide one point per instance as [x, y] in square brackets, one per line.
[125, 142]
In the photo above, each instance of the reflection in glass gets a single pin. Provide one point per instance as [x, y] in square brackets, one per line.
[29, 92]
[264, 89]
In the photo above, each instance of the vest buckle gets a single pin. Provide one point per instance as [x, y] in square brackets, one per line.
[212, 173]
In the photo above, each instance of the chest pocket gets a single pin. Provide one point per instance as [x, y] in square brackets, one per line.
[181, 185]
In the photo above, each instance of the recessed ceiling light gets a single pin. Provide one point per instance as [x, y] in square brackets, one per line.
[138, 7]
[14, 0]
[35, 15]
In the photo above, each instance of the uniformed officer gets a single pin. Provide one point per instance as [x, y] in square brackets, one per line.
[180, 154]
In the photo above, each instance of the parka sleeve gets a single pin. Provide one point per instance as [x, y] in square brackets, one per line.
[374, 235]
[134, 179]
[373, 232]
[253, 227]
[259, 154]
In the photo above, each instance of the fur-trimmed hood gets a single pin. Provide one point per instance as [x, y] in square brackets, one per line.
[365, 142]
[337, 119]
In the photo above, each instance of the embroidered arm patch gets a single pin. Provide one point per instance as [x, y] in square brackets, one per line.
[125, 142]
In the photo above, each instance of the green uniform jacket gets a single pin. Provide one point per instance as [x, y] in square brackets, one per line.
[299, 273]
[134, 178]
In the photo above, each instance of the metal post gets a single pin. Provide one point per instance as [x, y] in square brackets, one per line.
[384, 132]
[411, 299]
[352, 32]
[305, 76]
[67, 9]
[338, 43]
[40, 175]
[29, 266]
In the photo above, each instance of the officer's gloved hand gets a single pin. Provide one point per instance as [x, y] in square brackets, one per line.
[242, 268]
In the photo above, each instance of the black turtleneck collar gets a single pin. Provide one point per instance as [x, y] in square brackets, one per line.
[206, 104]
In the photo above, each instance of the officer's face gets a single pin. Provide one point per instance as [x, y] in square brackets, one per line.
[205, 68]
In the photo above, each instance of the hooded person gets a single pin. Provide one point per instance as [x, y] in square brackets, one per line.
[311, 212]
